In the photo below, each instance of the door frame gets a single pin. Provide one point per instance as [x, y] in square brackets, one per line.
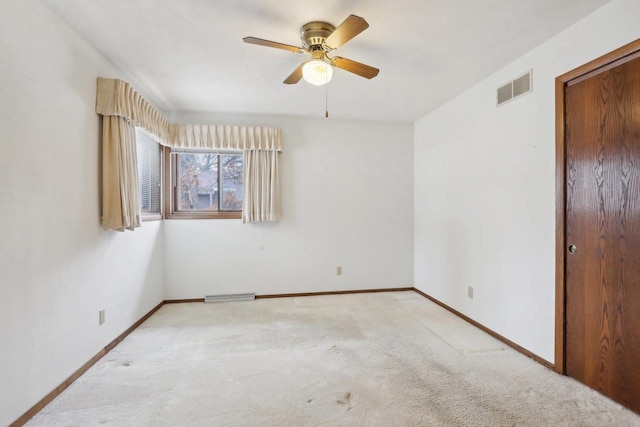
[598, 64]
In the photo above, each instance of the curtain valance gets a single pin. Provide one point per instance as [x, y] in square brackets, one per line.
[225, 137]
[117, 98]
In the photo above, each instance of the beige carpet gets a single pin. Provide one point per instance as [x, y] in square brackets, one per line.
[389, 359]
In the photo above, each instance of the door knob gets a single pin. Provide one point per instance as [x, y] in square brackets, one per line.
[572, 249]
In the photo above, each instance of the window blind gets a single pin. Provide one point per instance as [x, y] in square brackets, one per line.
[149, 175]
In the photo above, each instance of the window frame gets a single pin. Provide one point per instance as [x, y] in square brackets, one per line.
[170, 188]
[148, 215]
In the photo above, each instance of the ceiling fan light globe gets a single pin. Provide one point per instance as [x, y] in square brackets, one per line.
[317, 72]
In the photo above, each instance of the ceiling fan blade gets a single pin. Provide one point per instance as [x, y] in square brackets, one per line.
[295, 76]
[269, 43]
[354, 67]
[350, 27]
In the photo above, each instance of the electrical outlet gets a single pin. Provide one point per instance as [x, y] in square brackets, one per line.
[338, 271]
[470, 292]
[101, 316]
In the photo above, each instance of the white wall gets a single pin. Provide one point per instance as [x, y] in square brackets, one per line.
[347, 191]
[57, 267]
[485, 187]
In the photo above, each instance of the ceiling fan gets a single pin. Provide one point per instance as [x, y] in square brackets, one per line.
[318, 39]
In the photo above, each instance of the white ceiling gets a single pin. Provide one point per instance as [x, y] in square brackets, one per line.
[188, 55]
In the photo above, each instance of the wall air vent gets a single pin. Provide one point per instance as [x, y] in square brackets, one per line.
[229, 297]
[515, 88]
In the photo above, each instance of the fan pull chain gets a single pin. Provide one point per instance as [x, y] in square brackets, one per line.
[326, 98]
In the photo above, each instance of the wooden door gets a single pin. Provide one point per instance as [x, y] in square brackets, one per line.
[602, 214]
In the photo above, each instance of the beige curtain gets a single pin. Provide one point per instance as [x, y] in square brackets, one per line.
[224, 137]
[123, 108]
[120, 200]
[261, 198]
[117, 98]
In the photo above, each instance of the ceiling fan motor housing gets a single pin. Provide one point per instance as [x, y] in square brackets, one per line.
[313, 34]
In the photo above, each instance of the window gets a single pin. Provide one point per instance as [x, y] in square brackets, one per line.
[149, 175]
[205, 184]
